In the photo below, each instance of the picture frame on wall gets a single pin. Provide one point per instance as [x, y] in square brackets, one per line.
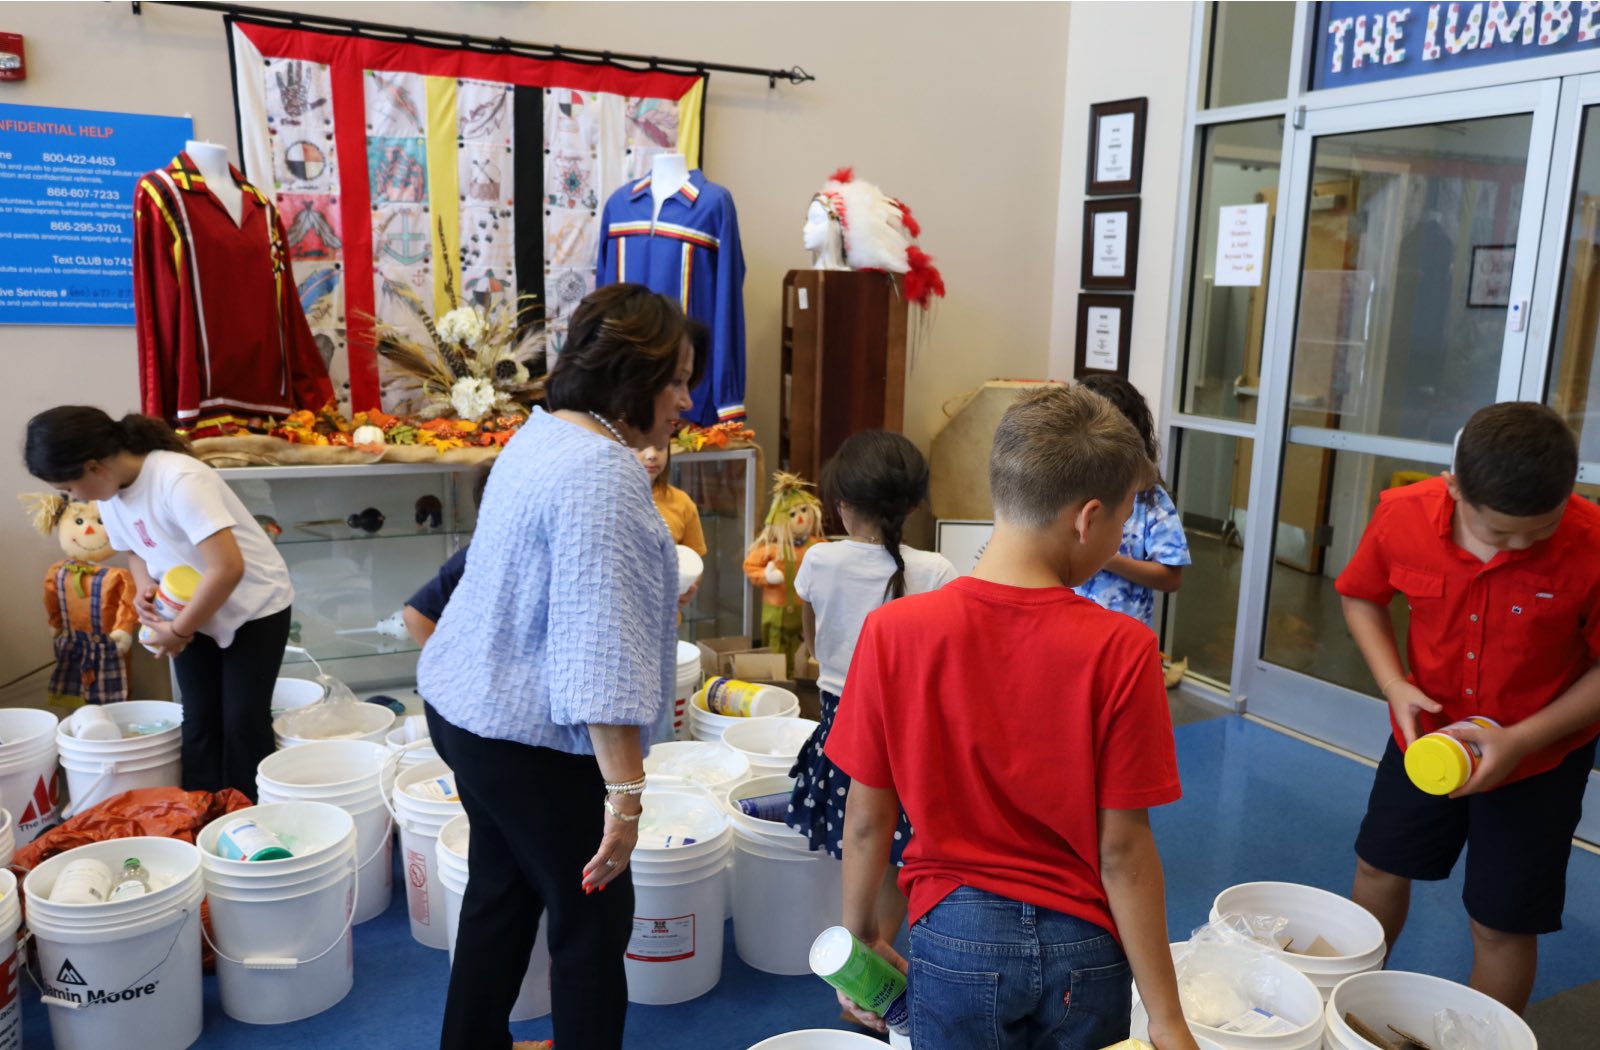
[1110, 244]
[1490, 283]
[1116, 147]
[1105, 335]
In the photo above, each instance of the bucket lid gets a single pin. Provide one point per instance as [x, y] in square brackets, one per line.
[675, 817]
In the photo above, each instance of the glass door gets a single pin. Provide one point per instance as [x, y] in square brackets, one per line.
[1568, 377]
[1416, 247]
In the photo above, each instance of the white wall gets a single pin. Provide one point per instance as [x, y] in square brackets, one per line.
[1117, 51]
[955, 107]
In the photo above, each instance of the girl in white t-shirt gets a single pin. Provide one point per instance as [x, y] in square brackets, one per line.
[166, 508]
[874, 481]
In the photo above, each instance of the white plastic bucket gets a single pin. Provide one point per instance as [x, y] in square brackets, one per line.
[290, 693]
[698, 762]
[343, 773]
[374, 722]
[784, 893]
[422, 751]
[10, 961]
[123, 972]
[28, 770]
[770, 745]
[705, 725]
[680, 899]
[689, 677]
[1296, 1001]
[420, 821]
[454, 873]
[1349, 928]
[818, 1039]
[1409, 1001]
[98, 769]
[281, 928]
[8, 848]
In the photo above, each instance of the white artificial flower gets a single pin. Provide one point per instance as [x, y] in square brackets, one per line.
[464, 326]
[472, 398]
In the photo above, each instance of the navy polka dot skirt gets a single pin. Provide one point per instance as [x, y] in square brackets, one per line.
[816, 809]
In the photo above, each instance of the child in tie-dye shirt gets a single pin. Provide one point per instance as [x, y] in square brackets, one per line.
[1154, 549]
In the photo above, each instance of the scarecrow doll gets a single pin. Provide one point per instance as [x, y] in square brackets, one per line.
[793, 526]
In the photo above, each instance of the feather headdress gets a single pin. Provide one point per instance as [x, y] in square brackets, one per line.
[879, 233]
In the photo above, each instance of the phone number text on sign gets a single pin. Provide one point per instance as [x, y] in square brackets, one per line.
[66, 220]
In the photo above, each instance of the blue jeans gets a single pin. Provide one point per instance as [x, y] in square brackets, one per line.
[988, 973]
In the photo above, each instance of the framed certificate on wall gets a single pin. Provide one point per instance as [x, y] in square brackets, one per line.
[1105, 327]
[1116, 147]
[1110, 244]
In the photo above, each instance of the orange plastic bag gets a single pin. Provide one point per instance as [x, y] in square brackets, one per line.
[163, 812]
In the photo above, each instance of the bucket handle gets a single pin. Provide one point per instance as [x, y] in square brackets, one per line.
[257, 962]
[53, 1000]
[389, 776]
[383, 842]
[107, 769]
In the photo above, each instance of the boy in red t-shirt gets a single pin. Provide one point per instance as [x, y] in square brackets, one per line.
[1500, 564]
[1025, 730]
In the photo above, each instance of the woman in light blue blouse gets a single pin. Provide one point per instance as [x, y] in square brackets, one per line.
[551, 668]
[1154, 549]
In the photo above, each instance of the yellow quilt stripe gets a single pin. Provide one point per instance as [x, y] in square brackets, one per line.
[444, 204]
[689, 121]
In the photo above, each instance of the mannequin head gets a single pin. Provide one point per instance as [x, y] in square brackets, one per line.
[823, 237]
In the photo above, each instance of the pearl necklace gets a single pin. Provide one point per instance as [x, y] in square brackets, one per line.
[598, 418]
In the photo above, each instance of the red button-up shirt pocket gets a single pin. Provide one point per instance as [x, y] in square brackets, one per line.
[1537, 607]
[1423, 589]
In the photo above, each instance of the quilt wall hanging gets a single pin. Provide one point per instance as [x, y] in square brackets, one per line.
[465, 176]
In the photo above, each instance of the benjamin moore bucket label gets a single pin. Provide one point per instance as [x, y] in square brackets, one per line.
[662, 940]
[74, 986]
[43, 808]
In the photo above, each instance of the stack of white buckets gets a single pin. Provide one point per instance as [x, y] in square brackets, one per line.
[1315, 992]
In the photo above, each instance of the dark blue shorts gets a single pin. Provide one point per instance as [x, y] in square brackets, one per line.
[1518, 839]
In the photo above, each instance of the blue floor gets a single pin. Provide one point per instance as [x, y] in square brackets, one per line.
[1257, 805]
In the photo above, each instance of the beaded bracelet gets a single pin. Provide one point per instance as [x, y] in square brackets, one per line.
[626, 818]
[630, 787]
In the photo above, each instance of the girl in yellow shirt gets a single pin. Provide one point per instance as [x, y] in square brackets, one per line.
[674, 505]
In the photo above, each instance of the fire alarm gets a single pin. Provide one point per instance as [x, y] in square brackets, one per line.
[13, 64]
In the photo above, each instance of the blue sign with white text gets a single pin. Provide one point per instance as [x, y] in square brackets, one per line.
[66, 209]
[1364, 42]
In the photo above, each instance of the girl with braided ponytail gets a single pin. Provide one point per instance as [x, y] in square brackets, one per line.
[875, 481]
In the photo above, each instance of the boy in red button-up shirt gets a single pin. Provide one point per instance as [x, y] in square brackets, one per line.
[1500, 563]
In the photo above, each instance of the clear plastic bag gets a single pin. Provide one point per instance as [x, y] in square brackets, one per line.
[1225, 971]
[1454, 1030]
[337, 716]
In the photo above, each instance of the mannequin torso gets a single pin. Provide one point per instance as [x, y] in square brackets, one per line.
[212, 160]
[668, 174]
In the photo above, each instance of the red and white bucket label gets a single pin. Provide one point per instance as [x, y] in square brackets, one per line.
[662, 940]
[10, 1006]
[43, 809]
[417, 888]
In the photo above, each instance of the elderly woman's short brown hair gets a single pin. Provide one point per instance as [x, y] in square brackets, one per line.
[622, 350]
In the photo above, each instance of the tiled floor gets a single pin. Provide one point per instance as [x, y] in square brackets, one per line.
[1257, 805]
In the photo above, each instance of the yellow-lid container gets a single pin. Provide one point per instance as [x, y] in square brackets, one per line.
[1438, 763]
[181, 581]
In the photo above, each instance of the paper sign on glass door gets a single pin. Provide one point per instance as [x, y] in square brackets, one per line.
[1105, 330]
[1241, 245]
[1111, 244]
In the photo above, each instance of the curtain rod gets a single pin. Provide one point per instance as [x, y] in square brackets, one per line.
[297, 19]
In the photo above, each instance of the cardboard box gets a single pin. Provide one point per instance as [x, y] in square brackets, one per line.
[716, 654]
[762, 666]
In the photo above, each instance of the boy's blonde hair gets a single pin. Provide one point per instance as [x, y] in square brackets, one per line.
[1063, 445]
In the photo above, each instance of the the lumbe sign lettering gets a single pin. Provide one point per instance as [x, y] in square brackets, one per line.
[1358, 43]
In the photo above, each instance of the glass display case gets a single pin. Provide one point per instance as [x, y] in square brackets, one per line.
[725, 486]
[360, 540]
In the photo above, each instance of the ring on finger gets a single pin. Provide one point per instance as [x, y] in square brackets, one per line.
[610, 863]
